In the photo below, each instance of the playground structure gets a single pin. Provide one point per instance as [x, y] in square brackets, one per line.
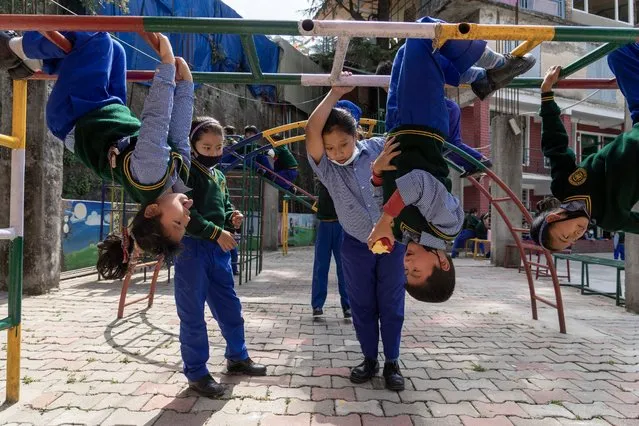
[344, 30]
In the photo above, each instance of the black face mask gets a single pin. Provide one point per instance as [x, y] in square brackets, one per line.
[207, 161]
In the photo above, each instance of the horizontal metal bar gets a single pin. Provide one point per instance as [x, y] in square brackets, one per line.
[7, 233]
[170, 24]
[354, 80]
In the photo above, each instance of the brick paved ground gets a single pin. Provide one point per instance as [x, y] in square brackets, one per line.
[477, 360]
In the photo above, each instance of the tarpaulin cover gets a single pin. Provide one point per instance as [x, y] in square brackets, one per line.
[205, 52]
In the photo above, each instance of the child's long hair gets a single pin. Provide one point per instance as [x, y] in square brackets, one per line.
[115, 252]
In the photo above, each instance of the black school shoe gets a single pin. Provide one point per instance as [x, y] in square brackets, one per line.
[498, 78]
[365, 371]
[393, 377]
[347, 313]
[317, 312]
[207, 386]
[10, 61]
[247, 367]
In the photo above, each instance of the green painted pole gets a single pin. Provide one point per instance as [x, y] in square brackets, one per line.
[588, 59]
[596, 34]
[251, 53]
[246, 78]
[15, 281]
[175, 24]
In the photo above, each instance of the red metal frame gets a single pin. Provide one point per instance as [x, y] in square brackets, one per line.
[515, 232]
[127, 281]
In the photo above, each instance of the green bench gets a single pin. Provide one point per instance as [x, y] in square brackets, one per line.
[585, 276]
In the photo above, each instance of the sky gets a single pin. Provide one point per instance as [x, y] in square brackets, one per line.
[269, 9]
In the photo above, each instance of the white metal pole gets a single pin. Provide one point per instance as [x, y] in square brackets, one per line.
[339, 57]
[367, 29]
[353, 80]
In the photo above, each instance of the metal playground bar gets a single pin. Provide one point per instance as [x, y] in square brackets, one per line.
[532, 36]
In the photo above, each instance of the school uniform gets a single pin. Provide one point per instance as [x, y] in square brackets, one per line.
[285, 166]
[203, 275]
[417, 80]
[604, 184]
[374, 283]
[328, 242]
[87, 110]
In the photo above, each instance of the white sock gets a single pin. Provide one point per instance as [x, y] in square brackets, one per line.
[15, 44]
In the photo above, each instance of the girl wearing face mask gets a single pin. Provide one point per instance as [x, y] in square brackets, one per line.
[203, 270]
[374, 282]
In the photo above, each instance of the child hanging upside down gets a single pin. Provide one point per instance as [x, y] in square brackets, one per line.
[411, 175]
[203, 270]
[603, 188]
[87, 110]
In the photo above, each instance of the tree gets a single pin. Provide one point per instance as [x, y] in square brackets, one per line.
[358, 10]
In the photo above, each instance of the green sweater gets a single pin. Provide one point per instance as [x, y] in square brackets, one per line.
[98, 131]
[212, 208]
[607, 181]
[284, 159]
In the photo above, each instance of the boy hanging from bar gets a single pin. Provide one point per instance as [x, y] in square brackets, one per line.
[411, 175]
[87, 110]
[604, 187]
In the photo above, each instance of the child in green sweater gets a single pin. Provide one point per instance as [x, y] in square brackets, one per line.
[203, 270]
[603, 188]
[87, 110]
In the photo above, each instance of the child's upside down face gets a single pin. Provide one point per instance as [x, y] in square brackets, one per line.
[173, 212]
[565, 232]
[419, 263]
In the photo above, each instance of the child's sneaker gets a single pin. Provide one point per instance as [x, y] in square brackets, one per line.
[498, 78]
[11, 62]
[8, 59]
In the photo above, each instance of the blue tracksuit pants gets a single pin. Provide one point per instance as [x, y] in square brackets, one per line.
[203, 275]
[90, 77]
[330, 237]
[375, 289]
[624, 63]
[416, 93]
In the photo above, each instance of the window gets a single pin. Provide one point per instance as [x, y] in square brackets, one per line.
[600, 69]
[618, 10]
[550, 7]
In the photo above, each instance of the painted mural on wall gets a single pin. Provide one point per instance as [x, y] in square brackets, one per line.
[81, 232]
[301, 229]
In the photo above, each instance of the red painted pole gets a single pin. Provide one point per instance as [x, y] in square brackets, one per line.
[71, 23]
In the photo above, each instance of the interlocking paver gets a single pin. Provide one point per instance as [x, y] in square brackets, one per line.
[443, 410]
[453, 397]
[343, 408]
[303, 419]
[394, 409]
[503, 396]
[588, 411]
[494, 409]
[546, 410]
[495, 421]
[369, 420]
[295, 406]
[350, 420]
[440, 421]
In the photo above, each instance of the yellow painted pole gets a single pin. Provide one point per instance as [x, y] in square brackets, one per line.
[525, 47]
[467, 31]
[14, 334]
[9, 141]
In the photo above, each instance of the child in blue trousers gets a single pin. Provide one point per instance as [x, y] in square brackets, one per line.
[411, 176]
[87, 110]
[328, 242]
[203, 270]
